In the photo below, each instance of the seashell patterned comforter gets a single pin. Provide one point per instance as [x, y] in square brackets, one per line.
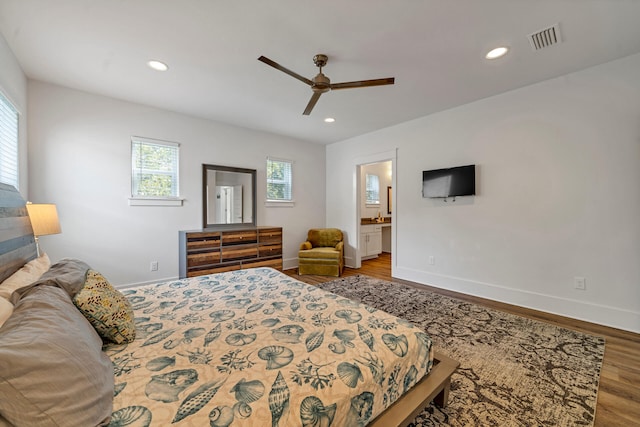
[257, 348]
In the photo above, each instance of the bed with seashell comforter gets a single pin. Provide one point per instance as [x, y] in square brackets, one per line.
[245, 348]
[256, 347]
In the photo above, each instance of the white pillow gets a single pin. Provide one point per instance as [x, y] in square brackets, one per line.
[6, 308]
[29, 273]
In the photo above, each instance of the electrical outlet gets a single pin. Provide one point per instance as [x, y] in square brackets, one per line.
[154, 266]
[579, 283]
[432, 260]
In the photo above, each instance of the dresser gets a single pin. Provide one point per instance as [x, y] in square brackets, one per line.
[212, 250]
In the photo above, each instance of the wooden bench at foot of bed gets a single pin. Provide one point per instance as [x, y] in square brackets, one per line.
[433, 387]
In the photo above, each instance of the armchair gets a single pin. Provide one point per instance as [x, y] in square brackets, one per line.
[322, 253]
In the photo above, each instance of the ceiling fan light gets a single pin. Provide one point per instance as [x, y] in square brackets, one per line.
[157, 65]
[497, 52]
[329, 120]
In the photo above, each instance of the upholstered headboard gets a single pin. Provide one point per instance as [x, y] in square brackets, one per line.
[17, 244]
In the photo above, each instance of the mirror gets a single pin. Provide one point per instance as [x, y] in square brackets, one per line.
[228, 196]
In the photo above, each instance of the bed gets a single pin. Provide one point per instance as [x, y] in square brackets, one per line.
[242, 348]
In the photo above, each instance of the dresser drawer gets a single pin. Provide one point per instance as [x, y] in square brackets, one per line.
[272, 235]
[239, 236]
[212, 270]
[197, 241]
[239, 252]
[269, 250]
[273, 263]
[203, 258]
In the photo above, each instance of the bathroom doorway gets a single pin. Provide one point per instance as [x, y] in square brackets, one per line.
[375, 213]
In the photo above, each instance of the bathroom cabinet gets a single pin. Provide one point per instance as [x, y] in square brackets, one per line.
[370, 241]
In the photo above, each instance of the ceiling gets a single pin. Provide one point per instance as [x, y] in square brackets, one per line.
[434, 49]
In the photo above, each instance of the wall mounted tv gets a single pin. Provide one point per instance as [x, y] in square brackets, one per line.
[449, 182]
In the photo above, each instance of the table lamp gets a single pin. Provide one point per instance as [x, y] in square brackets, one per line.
[44, 220]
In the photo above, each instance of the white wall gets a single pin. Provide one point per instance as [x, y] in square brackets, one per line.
[13, 84]
[79, 158]
[558, 173]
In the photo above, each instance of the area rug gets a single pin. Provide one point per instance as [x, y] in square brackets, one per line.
[513, 371]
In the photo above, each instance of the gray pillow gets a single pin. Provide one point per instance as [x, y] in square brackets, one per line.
[68, 274]
[52, 368]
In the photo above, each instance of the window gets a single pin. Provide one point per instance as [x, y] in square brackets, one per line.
[279, 180]
[8, 142]
[372, 189]
[154, 171]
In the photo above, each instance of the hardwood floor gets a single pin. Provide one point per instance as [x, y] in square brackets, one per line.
[619, 392]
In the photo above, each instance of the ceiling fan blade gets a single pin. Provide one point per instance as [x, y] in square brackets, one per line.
[285, 70]
[312, 103]
[363, 83]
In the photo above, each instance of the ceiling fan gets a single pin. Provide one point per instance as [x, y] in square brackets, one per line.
[321, 83]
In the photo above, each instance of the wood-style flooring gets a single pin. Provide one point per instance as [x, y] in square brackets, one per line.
[619, 392]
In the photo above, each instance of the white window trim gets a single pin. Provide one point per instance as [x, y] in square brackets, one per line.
[273, 203]
[157, 201]
[148, 201]
[280, 203]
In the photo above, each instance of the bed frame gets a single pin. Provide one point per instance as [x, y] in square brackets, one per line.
[433, 387]
[17, 244]
[17, 247]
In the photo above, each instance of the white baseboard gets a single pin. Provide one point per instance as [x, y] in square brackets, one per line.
[595, 313]
[289, 263]
[349, 262]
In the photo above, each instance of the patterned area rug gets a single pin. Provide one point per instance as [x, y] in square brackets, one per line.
[514, 371]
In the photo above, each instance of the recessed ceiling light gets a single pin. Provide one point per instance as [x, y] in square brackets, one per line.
[497, 52]
[329, 120]
[157, 65]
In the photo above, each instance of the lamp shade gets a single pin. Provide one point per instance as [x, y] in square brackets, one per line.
[44, 218]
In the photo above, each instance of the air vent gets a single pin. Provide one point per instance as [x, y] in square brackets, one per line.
[545, 38]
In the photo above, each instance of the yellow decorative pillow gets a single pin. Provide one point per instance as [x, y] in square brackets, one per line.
[106, 308]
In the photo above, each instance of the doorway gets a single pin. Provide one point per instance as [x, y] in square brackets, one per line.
[383, 166]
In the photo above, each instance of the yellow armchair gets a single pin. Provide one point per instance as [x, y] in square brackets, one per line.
[322, 253]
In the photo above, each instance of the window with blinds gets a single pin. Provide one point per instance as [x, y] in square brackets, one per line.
[8, 142]
[279, 180]
[154, 169]
[372, 189]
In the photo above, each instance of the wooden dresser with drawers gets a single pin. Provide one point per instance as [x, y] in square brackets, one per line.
[214, 250]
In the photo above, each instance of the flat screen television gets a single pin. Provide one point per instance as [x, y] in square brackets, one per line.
[449, 182]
